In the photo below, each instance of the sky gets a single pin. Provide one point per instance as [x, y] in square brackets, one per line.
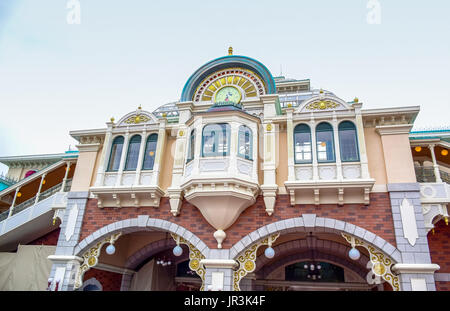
[57, 76]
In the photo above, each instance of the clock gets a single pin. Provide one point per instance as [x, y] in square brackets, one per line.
[228, 95]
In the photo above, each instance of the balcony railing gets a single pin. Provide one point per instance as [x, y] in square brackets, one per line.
[42, 196]
[426, 175]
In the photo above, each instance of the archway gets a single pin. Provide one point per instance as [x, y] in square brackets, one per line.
[137, 242]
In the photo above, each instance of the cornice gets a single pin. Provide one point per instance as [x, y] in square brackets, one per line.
[396, 129]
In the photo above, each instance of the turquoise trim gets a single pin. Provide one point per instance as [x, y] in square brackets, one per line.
[226, 62]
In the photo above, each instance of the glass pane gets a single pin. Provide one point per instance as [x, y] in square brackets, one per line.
[245, 144]
[216, 139]
[150, 152]
[349, 145]
[191, 146]
[325, 148]
[302, 148]
[133, 153]
[116, 152]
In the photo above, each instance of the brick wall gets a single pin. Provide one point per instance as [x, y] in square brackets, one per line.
[443, 286]
[377, 217]
[440, 247]
[110, 281]
[50, 238]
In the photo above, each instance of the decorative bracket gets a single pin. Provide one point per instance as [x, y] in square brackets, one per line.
[381, 265]
[247, 260]
[90, 258]
[195, 256]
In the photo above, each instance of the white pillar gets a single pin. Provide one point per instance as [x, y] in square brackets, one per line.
[312, 125]
[290, 144]
[11, 209]
[40, 188]
[137, 179]
[361, 142]
[437, 173]
[104, 156]
[160, 146]
[65, 176]
[122, 159]
[337, 148]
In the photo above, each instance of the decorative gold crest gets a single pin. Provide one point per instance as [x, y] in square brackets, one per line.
[136, 119]
[322, 105]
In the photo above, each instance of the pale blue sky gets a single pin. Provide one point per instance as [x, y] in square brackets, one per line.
[56, 77]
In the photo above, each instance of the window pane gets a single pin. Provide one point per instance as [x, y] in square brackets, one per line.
[216, 139]
[302, 147]
[349, 145]
[325, 146]
[245, 144]
[150, 152]
[116, 153]
[191, 146]
[133, 153]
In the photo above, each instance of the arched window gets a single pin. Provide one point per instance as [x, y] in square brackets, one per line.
[348, 142]
[133, 153]
[245, 142]
[116, 153]
[216, 140]
[302, 144]
[191, 148]
[325, 143]
[150, 152]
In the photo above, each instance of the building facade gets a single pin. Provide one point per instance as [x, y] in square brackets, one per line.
[248, 182]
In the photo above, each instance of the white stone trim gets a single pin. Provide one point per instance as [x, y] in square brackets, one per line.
[219, 263]
[415, 268]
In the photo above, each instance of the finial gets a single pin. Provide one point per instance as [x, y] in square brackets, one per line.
[356, 100]
[112, 119]
[139, 107]
[321, 91]
[230, 50]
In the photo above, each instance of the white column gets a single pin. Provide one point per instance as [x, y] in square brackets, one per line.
[361, 142]
[337, 148]
[40, 188]
[104, 156]
[437, 173]
[198, 125]
[122, 159]
[65, 176]
[312, 125]
[232, 155]
[269, 166]
[137, 179]
[11, 209]
[160, 147]
[290, 144]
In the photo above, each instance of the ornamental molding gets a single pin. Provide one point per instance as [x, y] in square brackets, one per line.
[90, 258]
[323, 102]
[247, 261]
[396, 129]
[409, 224]
[380, 264]
[137, 117]
[415, 268]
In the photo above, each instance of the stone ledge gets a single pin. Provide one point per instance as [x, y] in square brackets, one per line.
[415, 268]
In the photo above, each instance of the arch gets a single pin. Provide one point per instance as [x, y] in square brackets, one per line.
[348, 141]
[140, 223]
[319, 256]
[226, 62]
[312, 223]
[91, 285]
[302, 144]
[321, 249]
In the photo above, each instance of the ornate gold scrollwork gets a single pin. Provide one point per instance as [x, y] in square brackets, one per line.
[322, 105]
[195, 257]
[137, 118]
[247, 260]
[381, 263]
[90, 258]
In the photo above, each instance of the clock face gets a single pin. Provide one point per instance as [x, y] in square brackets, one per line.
[228, 95]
